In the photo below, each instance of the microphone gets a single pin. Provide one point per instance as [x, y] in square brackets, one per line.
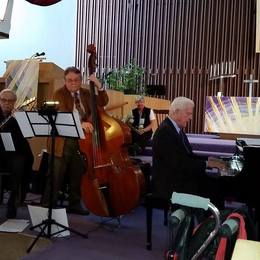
[37, 54]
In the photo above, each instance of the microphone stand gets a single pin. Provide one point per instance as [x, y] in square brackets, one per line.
[37, 54]
[51, 113]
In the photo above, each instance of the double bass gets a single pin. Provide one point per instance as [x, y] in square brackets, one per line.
[111, 185]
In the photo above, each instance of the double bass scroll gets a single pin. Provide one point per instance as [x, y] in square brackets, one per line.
[111, 185]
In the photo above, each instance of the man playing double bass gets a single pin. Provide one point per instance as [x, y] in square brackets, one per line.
[72, 97]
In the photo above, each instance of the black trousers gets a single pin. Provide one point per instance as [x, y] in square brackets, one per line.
[20, 167]
[70, 164]
[141, 140]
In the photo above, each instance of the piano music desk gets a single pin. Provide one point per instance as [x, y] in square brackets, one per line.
[213, 145]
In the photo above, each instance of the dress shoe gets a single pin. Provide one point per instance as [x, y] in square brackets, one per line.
[77, 210]
[11, 213]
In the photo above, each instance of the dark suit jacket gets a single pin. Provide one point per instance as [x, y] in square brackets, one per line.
[175, 168]
[19, 162]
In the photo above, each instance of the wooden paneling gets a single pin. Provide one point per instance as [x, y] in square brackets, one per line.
[121, 105]
[175, 41]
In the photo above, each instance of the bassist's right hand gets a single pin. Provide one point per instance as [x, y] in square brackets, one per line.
[87, 127]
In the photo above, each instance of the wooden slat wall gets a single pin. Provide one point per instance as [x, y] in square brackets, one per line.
[175, 41]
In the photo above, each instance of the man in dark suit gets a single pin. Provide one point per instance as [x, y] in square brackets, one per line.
[18, 162]
[175, 166]
[72, 97]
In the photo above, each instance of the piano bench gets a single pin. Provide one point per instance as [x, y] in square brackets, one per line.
[152, 202]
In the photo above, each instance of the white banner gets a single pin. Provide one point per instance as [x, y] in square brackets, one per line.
[22, 77]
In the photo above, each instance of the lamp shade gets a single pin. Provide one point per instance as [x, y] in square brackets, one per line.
[43, 2]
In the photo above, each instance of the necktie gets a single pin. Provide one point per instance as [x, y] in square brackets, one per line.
[78, 106]
[185, 141]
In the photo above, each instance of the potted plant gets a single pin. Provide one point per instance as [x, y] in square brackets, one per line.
[128, 79]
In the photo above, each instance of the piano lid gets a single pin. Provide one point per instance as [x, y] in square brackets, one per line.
[248, 141]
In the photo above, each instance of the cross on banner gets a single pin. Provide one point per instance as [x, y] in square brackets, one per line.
[250, 82]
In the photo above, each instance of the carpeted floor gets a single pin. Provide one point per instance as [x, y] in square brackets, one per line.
[106, 240]
[14, 245]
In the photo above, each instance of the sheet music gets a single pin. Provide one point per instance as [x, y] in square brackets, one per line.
[24, 124]
[33, 124]
[38, 214]
[65, 124]
[8, 142]
[14, 225]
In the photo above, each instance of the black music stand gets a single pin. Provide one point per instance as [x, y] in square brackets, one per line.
[49, 122]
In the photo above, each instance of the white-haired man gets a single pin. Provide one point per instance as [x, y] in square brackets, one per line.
[175, 166]
[18, 162]
[143, 120]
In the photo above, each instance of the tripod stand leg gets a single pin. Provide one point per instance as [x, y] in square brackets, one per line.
[69, 229]
[36, 239]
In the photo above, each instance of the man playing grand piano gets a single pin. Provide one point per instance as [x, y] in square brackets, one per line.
[175, 166]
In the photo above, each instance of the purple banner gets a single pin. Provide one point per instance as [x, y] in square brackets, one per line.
[236, 115]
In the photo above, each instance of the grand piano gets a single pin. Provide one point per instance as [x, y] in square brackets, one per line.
[240, 182]
[245, 167]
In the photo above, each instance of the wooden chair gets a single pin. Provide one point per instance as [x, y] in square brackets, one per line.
[160, 115]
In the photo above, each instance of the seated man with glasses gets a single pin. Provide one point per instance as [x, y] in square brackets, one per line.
[18, 162]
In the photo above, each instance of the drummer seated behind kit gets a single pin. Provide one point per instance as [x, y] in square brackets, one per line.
[67, 160]
[18, 162]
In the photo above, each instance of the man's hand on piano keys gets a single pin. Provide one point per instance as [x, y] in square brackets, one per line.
[217, 163]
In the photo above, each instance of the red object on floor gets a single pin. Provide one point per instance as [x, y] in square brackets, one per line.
[223, 241]
[43, 2]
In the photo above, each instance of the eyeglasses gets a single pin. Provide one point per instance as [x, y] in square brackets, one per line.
[7, 100]
[73, 80]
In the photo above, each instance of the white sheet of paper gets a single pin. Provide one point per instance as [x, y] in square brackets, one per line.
[66, 125]
[8, 142]
[42, 130]
[33, 124]
[38, 214]
[14, 225]
[24, 124]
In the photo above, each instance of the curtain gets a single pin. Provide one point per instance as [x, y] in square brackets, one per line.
[21, 76]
